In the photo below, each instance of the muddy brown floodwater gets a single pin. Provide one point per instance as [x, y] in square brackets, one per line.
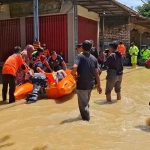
[56, 125]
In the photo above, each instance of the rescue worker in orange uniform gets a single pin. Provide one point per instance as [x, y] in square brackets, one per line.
[122, 49]
[9, 71]
[46, 51]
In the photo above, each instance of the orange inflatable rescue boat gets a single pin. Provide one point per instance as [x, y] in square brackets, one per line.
[53, 90]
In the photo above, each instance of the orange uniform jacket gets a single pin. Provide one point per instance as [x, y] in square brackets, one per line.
[122, 49]
[12, 64]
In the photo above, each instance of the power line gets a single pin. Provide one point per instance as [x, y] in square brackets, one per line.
[143, 1]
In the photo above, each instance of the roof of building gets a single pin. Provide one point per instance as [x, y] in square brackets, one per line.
[107, 7]
[113, 7]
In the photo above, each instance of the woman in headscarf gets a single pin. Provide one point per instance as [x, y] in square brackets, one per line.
[27, 56]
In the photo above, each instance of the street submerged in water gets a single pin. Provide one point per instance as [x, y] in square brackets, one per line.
[56, 124]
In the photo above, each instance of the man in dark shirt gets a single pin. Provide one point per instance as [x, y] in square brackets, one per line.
[55, 61]
[86, 67]
[115, 71]
[93, 50]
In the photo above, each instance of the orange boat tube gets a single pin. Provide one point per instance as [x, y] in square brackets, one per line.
[64, 87]
[22, 90]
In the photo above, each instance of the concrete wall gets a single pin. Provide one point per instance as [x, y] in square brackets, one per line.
[117, 33]
[139, 35]
[23, 32]
[115, 30]
[4, 12]
[81, 12]
[71, 46]
[85, 13]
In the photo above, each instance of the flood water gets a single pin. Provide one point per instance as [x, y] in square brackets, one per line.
[56, 125]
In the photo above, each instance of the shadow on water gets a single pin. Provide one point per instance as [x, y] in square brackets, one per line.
[3, 103]
[104, 102]
[71, 120]
[6, 105]
[3, 141]
[129, 67]
[65, 98]
[143, 128]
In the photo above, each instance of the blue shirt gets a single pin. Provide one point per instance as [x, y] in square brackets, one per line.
[56, 62]
[87, 64]
[37, 64]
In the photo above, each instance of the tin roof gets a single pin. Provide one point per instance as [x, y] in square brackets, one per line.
[110, 7]
[113, 7]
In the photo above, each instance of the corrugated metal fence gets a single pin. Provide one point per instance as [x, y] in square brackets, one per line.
[87, 29]
[9, 37]
[53, 31]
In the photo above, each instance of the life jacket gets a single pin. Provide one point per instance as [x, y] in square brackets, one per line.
[13, 63]
[121, 48]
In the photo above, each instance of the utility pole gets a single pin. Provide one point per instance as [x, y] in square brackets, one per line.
[103, 31]
[75, 23]
[36, 42]
[36, 21]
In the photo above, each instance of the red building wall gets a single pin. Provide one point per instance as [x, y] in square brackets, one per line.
[53, 30]
[9, 37]
[87, 29]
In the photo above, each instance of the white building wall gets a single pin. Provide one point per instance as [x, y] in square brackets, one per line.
[85, 13]
[4, 12]
[81, 12]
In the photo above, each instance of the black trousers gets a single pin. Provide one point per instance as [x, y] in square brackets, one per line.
[8, 79]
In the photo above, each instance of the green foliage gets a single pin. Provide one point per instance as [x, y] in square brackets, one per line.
[144, 10]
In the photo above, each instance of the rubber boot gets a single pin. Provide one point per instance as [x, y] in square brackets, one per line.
[132, 65]
[135, 65]
[118, 96]
[108, 98]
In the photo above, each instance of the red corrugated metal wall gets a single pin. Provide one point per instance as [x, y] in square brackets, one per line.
[87, 29]
[53, 32]
[9, 37]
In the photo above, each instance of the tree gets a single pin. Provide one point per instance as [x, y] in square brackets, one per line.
[144, 10]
